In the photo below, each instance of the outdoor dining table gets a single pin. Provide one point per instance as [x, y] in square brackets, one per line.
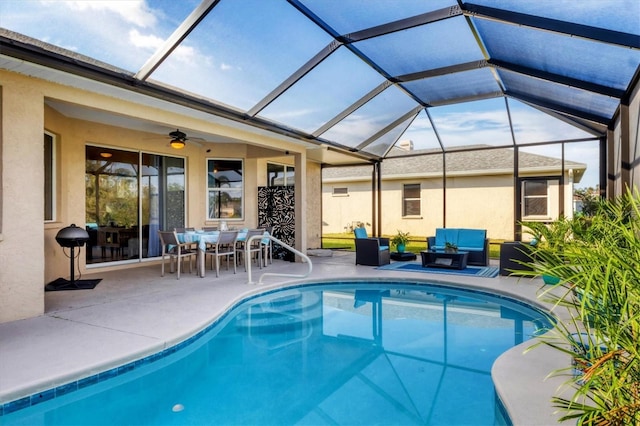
[202, 239]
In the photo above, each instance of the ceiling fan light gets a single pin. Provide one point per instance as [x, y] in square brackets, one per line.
[177, 144]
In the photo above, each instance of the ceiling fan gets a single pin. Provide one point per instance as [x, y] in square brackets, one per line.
[178, 139]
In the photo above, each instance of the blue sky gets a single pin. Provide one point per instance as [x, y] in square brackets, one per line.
[245, 49]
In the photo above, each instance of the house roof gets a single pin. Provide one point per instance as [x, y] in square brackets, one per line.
[353, 76]
[481, 162]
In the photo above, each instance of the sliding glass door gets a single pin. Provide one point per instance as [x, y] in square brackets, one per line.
[163, 198]
[129, 197]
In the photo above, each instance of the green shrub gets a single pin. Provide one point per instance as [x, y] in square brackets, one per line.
[597, 260]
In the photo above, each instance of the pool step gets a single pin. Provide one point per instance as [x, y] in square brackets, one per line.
[282, 313]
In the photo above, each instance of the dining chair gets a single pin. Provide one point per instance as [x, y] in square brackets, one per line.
[224, 247]
[255, 246]
[192, 246]
[209, 228]
[183, 230]
[177, 251]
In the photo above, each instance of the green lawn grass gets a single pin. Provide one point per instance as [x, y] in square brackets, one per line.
[416, 244]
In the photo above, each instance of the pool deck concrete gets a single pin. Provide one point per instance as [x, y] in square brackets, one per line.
[134, 313]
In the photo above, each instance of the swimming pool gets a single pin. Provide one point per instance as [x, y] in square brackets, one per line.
[347, 353]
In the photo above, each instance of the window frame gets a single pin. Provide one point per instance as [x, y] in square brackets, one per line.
[525, 197]
[340, 194]
[50, 176]
[286, 168]
[241, 190]
[406, 199]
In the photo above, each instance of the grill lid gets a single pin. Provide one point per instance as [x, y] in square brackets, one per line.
[72, 236]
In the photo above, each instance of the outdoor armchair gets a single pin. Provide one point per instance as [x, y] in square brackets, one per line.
[369, 250]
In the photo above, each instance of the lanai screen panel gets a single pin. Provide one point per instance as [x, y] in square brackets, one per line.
[618, 15]
[419, 135]
[347, 16]
[472, 124]
[564, 97]
[384, 143]
[366, 121]
[596, 129]
[445, 88]
[324, 92]
[426, 47]
[586, 60]
[531, 125]
[241, 51]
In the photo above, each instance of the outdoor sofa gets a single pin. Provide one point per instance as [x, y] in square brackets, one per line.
[474, 241]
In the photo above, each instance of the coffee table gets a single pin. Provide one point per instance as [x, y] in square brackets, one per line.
[444, 259]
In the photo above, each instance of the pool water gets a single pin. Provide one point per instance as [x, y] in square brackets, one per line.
[358, 354]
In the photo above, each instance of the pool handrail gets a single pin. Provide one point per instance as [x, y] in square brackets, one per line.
[304, 257]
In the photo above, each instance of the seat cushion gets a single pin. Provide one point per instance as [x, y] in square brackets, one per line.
[471, 238]
[360, 232]
[444, 235]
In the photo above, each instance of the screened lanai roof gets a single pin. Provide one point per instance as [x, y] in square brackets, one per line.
[356, 75]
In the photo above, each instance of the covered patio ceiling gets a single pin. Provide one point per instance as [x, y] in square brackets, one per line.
[355, 77]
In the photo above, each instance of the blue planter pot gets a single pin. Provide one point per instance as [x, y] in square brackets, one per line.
[548, 279]
[400, 248]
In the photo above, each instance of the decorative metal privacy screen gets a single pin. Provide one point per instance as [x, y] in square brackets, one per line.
[276, 209]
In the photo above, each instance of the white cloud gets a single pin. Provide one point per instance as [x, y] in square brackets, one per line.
[185, 53]
[353, 130]
[133, 11]
[535, 126]
[145, 41]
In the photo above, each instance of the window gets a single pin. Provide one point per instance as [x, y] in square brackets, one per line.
[49, 177]
[535, 198]
[337, 192]
[411, 199]
[280, 175]
[224, 189]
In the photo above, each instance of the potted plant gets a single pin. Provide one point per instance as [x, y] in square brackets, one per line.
[400, 240]
[450, 247]
[550, 240]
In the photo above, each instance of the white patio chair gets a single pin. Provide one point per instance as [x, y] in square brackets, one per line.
[224, 247]
[176, 251]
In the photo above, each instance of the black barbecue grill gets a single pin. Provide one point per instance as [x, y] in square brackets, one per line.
[72, 237]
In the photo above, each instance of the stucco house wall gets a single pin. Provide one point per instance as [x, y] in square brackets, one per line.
[475, 198]
[314, 205]
[487, 204]
[21, 247]
[481, 202]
